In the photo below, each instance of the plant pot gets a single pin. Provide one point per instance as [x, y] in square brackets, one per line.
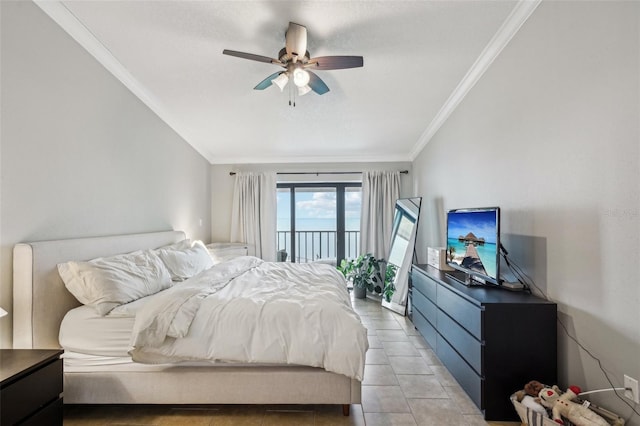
[359, 292]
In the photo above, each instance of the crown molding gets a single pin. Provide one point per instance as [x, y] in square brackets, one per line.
[328, 159]
[57, 11]
[512, 24]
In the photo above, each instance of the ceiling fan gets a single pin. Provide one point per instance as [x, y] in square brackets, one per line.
[298, 63]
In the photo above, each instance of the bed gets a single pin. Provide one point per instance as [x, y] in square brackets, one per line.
[41, 301]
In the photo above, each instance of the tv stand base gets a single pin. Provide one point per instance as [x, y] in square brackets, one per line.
[512, 286]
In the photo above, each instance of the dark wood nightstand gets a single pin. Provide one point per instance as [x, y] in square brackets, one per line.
[31, 387]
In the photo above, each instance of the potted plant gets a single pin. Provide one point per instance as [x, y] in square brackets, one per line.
[365, 274]
[389, 279]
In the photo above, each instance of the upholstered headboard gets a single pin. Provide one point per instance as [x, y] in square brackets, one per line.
[40, 299]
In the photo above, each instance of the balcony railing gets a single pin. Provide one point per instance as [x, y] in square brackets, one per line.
[316, 245]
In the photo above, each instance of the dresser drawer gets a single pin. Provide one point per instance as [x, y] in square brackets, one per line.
[426, 308]
[425, 328]
[52, 414]
[462, 311]
[463, 342]
[471, 382]
[424, 284]
[35, 390]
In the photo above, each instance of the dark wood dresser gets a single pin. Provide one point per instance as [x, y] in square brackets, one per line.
[492, 340]
[31, 387]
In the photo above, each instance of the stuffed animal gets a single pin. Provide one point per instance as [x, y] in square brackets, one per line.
[529, 397]
[561, 405]
[532, 389]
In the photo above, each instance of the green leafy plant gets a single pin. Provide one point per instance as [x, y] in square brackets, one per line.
[451, 251]
[389, 277]
[365, 272]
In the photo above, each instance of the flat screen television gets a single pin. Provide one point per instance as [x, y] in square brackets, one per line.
[473, 244]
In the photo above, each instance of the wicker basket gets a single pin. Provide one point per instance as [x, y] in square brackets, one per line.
[530, 417]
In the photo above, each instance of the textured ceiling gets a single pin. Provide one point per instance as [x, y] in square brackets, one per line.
[415, 55]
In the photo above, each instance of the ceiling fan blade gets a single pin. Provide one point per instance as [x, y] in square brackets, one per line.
[335, 62]
[267, 81]
[316, 84]
[296, 40]
[252, 57]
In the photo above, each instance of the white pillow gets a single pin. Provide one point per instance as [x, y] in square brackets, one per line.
[105, 283]
[184, 263]
[180, 245]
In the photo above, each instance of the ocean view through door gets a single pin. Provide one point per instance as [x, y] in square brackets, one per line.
[318, 222]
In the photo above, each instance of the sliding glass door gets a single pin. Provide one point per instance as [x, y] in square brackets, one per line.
[318, 221]
[352, 211]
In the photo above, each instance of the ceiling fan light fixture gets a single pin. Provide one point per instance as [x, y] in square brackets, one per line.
[300, 77]
[281, 81]
[303, 90]
[295, 59]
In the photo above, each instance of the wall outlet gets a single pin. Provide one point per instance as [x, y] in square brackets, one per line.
[631, 389]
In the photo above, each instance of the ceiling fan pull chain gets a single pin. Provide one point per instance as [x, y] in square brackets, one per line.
[292, 98]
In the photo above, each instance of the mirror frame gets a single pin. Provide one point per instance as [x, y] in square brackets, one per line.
[410, 208]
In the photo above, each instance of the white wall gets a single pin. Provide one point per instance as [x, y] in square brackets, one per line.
[80, 155]
[222, 184]
[551, 135]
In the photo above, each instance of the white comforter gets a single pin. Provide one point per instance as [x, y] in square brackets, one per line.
[275, 313]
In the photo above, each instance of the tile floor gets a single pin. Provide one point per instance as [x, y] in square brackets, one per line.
[404, 384]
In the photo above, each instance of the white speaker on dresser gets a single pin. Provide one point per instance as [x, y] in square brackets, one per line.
[437, 257]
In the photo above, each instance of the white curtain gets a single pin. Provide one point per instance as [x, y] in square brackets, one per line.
[380, 190]
[253, 218]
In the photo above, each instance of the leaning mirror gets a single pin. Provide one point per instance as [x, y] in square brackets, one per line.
[401, 254]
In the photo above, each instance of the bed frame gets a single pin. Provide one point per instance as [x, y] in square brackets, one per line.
[40, 301]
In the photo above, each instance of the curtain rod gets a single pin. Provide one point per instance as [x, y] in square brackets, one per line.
[403, 172]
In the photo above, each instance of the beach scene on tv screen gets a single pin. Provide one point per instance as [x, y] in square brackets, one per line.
[471, 241]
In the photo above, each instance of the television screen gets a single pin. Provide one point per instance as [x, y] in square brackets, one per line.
[473, 242]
